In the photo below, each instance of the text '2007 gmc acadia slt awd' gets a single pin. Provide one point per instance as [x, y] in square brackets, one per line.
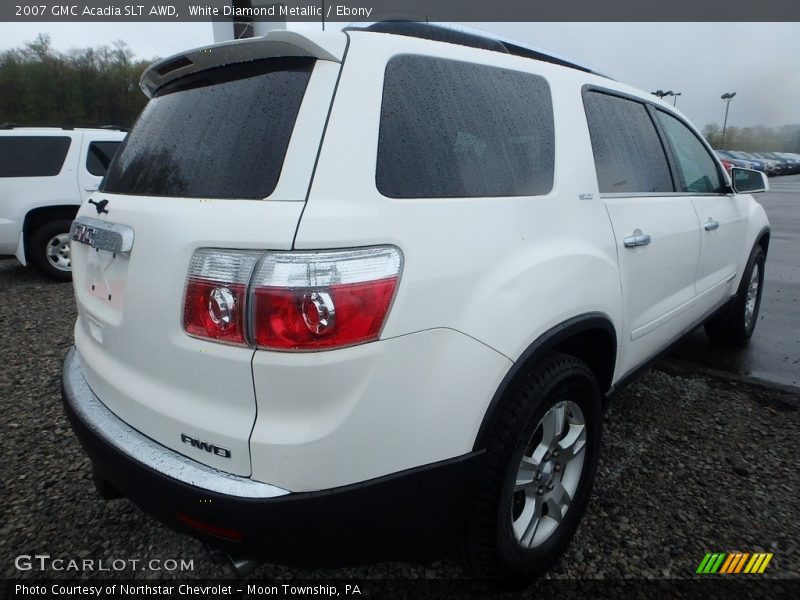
[355, 290]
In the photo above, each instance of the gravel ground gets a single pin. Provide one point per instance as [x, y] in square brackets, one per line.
[691, 464]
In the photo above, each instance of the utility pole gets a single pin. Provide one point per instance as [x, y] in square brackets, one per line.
[728, 96]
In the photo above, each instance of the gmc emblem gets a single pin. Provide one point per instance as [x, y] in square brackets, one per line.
[210, 448]
[83, 233]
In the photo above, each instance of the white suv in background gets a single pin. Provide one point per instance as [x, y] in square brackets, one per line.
[364, 294]
[45, 174]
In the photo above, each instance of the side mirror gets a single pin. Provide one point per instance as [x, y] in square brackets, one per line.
[748, 181]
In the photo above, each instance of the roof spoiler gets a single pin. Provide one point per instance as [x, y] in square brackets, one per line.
[276, 44]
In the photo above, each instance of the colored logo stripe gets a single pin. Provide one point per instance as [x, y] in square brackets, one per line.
[702, 567]
[765, 563]
[740, 563]
[727, 564]
[758, 563]
[711, 562]
[734, 562]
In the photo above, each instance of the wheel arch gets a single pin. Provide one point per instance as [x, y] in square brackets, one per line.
[591, 337]
[38, 216]
[763, 240]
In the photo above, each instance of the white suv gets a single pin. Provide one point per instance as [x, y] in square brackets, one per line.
[358, 294]
[45, 174]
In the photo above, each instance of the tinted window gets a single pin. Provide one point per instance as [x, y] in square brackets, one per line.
[218, 134]
[697, 168]
[99, 157]
[628, 155]
[451, 129]
[34, 156]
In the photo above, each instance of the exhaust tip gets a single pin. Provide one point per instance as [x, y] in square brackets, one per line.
[104, 488]
[239, 566]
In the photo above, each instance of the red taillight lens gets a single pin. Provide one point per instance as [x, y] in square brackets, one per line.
[296, 319]
[215, 311]
[320, 300]
[291, 300]
[216, 289]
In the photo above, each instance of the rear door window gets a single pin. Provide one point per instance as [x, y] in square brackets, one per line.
[628, 154]
[221, 133]
[99, 157]
[32, 156]
[697, 168]
[452, 129]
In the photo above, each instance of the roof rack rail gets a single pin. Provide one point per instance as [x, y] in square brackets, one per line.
[472, 38]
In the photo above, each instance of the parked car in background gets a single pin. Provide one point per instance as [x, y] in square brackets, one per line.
[772, 166]
[304, 344]
[780, 164]
[728, 162]
[789, 164]
[45, 174]
[742, 161]
[793, 155]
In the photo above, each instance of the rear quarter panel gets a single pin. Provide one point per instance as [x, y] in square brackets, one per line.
[500, 270]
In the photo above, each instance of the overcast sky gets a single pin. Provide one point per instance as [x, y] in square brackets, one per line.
[759, 61]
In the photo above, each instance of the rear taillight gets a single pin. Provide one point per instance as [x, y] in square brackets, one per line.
[314, 300]
[216, 289]
[293, 300]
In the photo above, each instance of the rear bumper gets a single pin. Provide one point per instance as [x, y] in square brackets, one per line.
[414, 513]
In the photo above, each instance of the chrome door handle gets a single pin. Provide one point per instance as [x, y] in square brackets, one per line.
[637, 240]
[711, 225]
[91, 189]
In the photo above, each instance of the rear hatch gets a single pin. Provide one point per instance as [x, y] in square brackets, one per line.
[221, 158]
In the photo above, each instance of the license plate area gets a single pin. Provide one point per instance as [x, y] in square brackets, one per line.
[106, 274]
[107, 257]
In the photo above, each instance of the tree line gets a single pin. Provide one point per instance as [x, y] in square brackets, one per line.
[754, 139]
[86, 87]
[90, 87]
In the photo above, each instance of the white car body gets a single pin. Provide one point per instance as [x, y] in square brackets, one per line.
[47, 196]
[483, 279]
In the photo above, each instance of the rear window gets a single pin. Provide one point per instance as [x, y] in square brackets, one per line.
[452, 129]
[99, 157]
[628, 154]
[32, 156]
[221, 133]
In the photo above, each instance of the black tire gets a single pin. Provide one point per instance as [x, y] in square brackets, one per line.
[731, 325]
[38, 249]
[492, 548]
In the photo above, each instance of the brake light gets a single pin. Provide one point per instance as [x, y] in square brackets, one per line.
[216, 288]
[316, 300]
[291, 300]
